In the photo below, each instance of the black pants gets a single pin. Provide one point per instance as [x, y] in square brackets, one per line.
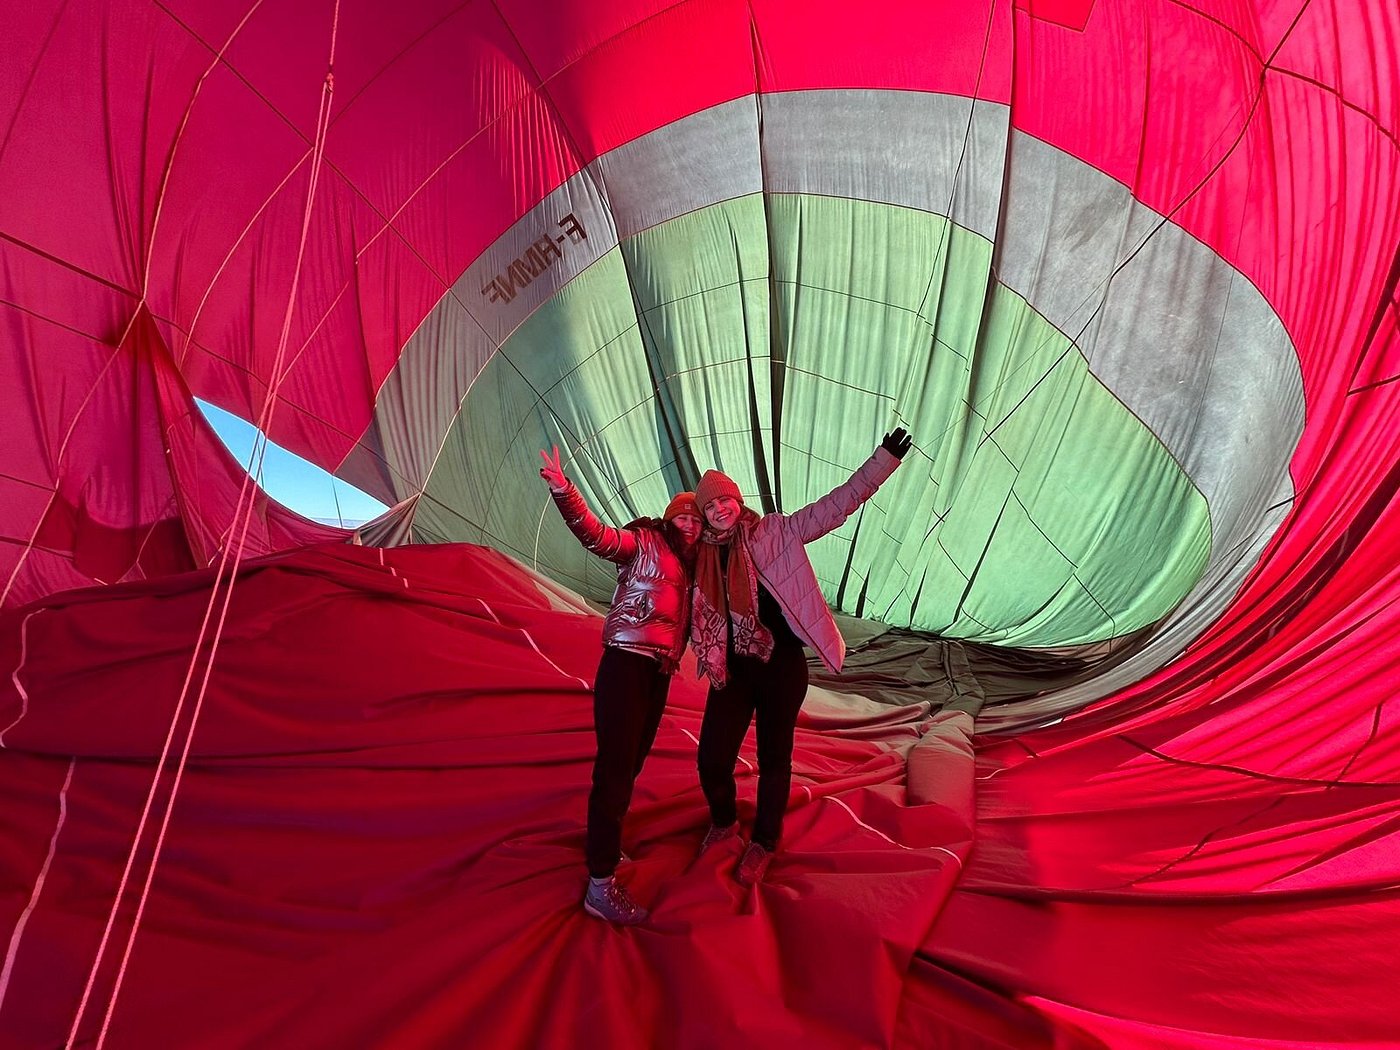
[773, 692]
[629, 695]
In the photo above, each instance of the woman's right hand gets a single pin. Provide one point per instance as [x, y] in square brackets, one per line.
[553, 471]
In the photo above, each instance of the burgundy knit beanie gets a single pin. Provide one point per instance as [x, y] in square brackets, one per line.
[713, 484]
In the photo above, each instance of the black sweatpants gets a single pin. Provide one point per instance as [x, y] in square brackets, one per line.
[773, 692]
[629, 695]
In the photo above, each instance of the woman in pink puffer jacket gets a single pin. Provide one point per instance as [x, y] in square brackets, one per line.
[755, 604]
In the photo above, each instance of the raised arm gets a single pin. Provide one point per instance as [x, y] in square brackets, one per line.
[827, 513]
[618, 545]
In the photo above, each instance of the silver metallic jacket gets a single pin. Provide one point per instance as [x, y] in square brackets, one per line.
[650, 611]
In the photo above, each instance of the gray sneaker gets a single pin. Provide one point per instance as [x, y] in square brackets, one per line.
[753, 864]
[611, 903]
[716, 835]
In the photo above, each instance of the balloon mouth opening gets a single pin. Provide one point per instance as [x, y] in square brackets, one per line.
[996, 684]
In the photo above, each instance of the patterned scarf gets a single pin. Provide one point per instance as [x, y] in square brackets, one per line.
[725, 601]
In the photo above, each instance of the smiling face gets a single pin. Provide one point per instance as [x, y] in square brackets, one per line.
[689, 526]
[722, 512]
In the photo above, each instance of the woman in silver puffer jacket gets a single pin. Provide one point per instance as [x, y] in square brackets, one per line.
[644, 635]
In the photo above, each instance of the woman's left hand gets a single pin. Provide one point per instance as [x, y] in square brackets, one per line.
[897, 442]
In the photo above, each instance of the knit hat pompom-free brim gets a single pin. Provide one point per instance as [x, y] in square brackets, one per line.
[681, 503]
[713, 484]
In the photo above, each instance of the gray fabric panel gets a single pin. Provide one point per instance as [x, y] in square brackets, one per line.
[1187, 344]
[683, 167]
[417, 404]
[480, 287]
[423, 393]
[937, 153]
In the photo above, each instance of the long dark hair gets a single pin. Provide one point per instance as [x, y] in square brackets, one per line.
[677, 542]
[672, 535]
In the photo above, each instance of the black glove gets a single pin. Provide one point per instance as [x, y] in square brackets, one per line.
[897, 442]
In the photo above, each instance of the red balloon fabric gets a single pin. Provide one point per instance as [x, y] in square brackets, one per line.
[384, 850]
[351, 198]
[264, 787]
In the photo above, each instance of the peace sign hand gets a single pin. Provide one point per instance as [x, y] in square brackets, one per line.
[553, 471]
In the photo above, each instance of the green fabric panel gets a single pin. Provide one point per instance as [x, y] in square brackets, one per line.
[573, 375]
[701, 286]
[1035, 511]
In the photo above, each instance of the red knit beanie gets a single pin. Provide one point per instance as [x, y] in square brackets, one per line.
[713, 484]
[681, 503]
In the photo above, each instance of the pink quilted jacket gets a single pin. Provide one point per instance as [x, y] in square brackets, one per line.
[776, 543]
